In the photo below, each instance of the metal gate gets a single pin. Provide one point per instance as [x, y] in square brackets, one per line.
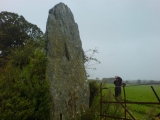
[122, 103]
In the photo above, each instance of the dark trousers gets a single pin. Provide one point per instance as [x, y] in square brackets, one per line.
[117, 91]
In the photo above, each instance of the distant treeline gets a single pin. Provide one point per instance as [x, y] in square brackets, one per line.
[111, 80]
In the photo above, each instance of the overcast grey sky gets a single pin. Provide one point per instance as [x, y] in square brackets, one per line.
[125, 32]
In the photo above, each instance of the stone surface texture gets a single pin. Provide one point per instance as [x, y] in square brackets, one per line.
[65, 69]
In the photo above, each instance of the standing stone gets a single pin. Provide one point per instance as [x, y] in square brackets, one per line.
[65, 69]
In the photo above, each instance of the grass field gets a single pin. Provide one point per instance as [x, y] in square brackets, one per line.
[141, 93]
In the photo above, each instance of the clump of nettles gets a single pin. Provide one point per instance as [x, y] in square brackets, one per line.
[93, 112]
[157, 117]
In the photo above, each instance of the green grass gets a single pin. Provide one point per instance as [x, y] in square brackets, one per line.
[142, 93]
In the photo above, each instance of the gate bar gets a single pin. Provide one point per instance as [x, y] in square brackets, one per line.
[155, 93]
[122, 105]
[132, 102]
[124, 102]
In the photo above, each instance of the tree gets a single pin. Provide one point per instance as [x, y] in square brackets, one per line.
[24, 91]
[14, 32]
[139, 81]
[90, 60]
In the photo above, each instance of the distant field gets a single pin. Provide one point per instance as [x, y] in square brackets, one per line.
[142, 93]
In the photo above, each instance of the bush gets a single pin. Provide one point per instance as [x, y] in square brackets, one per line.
[24, 92]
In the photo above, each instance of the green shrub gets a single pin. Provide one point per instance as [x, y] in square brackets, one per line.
[24, 92]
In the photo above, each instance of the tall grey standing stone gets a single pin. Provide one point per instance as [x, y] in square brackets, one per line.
[65, 69]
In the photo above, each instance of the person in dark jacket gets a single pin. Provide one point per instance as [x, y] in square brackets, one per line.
[118, 84]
